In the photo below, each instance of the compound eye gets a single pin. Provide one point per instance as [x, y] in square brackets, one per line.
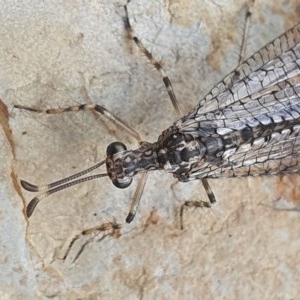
[111, 150]
[122, 183]
[114, 148]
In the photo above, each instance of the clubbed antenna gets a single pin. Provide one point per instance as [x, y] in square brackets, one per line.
[56, 186]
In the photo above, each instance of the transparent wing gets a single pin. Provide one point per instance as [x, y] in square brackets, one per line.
[251, 125]
[259, 74]
[272, 155]
[258, 138]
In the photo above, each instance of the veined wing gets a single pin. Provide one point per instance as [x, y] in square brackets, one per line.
[272, 110]
[255, 131]
[277, 153]
[256, 138]
[274, 63]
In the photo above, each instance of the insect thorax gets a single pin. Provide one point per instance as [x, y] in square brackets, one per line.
[178, 152]
[173, 152]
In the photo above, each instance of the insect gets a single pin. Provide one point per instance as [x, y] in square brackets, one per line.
[247, 125]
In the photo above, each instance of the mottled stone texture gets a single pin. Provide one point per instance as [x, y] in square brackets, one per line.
[245, 247]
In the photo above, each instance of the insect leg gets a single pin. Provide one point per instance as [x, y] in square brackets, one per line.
[137, 196]
[248, 14]
[96, 108]
[174, 101]
[208, 190]
[157, 64]
[172, 96]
